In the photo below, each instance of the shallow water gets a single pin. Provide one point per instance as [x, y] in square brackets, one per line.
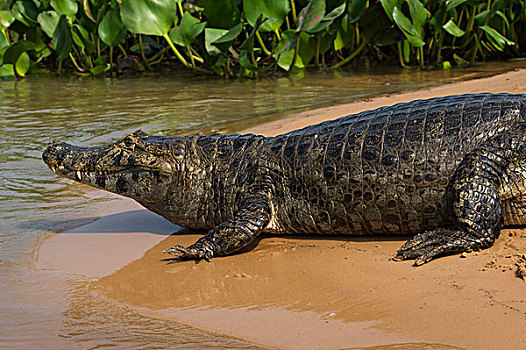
[51, 308]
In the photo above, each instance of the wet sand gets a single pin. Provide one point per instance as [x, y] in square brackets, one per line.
[309, 292]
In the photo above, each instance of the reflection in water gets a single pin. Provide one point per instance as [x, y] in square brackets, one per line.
[86, 111]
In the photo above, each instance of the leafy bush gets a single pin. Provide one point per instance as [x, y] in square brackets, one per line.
[250, 37]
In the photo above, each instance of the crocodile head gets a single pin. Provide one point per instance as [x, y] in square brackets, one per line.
[138, 166]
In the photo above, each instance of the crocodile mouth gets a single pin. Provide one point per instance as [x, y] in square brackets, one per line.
[100, 168]
[79, 163]
[84, 175]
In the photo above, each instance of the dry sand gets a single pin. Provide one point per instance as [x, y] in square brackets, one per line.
[310, 292]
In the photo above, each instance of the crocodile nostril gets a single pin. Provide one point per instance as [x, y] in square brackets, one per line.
[54, 153]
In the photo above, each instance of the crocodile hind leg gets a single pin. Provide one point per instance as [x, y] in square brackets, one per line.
[476, 205]
[230, 236]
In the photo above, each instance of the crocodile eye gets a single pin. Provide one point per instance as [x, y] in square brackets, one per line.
[178, 152]
[129, 142]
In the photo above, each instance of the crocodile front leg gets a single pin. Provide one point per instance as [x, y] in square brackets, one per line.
[230, 236]
[477, 208]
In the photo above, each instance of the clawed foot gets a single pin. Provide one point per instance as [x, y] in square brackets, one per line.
[195, 251]
[430, 244]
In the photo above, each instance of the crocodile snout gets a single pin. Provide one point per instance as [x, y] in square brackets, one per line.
[55, 153]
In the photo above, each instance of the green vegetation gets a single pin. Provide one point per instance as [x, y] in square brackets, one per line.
[244, 38]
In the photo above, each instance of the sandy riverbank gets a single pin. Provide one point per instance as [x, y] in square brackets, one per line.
[310, 293]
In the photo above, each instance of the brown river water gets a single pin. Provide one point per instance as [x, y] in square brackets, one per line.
[53, 309]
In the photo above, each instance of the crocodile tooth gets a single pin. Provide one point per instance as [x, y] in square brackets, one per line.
[79, 175]
[53, 169]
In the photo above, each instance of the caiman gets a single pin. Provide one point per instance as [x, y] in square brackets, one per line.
[450, 171]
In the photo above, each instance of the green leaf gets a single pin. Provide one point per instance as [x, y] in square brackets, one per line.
[152, 17]
[7, 72]
[26, 12]
[437, 21]
[2, 51]
[482, 17]
[274, 10]
[389, 37]
[375, 23]
[412, 28]
[3, 41]
[176, 35]
[191, 27]
[111, 30]
[211, 35]
[225, 41]
[498, 4]
[43, 54]
[419, 14]
[451, 4]
[82, 34]
[245, 63]
[495, 6]
[415, 41]
[100, 69]
[230, 35]
[34, 34]
[341, 40]
[77, 39]
[327, 20]
[389, 6]
[287, 44]
[403, 22]
[6, 18]
[326, 40]
[497, 39]
[504, 19]
[355, 9]
[16, 49]
[343, 36]
[48, 22]
[222, 14]
[453, 29]
[186, 32]
[66, 7]
[311, 15]
[22, 64]
[407, 27]
[286, 48]
[62, 42]
[335, 13]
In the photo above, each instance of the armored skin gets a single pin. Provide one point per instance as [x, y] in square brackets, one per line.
[449, 171]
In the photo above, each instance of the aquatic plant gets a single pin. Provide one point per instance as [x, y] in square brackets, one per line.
[245, 38]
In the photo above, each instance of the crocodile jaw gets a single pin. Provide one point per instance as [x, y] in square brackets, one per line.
[106, 168]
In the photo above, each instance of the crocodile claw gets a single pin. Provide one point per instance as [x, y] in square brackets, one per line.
[428, 245]
[191, 252]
